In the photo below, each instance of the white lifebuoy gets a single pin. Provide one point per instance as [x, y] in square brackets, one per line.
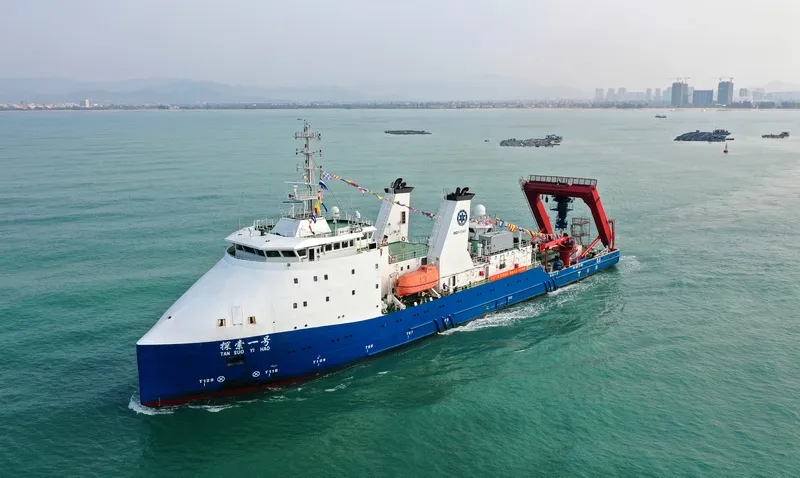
[403, 239]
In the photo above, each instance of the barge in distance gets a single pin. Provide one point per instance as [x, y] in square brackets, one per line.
[716, 136]
[548, 142]
[405, 131]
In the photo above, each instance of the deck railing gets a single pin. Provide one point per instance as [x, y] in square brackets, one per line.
[562, 180]
[411, 254]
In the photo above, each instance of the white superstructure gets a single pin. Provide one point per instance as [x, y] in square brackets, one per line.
[309, 269]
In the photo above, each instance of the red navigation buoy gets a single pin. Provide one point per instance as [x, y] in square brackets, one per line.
[726, 149]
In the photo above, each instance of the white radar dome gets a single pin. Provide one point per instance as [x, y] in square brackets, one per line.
[479, 210]
[335, 211]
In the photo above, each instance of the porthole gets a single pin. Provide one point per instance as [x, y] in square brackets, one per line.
[252, 319]
[220, 322]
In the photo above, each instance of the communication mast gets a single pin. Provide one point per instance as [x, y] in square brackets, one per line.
[304, 193]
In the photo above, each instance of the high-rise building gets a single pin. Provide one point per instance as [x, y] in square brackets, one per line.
[649, 94]
[680, 94]
[725, 93]
[658, 94]
[743, 94]
[598, 95]
[622, 94]
[703, 97]
[758, 95]
[611, 95]
[85, 103]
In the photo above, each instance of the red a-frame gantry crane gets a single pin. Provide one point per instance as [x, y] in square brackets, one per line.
[580, 188]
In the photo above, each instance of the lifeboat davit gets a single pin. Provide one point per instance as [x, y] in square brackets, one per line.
[422, 279]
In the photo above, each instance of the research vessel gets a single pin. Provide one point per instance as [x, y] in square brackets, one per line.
[316, 290]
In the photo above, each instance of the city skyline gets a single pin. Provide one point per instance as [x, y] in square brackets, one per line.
[401, 49]
[167, 91]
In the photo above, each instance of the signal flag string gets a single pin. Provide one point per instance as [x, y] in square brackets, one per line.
[497, 221]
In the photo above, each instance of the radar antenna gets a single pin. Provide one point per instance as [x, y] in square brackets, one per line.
[306, 195]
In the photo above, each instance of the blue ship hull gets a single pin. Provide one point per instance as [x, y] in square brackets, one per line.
[173, 374]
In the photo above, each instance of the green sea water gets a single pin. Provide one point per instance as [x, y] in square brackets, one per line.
[681, 361]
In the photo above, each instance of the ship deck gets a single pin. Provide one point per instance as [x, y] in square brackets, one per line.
[403, 251]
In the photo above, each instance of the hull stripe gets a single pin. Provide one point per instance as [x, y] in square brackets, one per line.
[179, 373]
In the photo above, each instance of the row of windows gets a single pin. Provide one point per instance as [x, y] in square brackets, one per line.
[291, 253]
[250, 320]
[339, 245]
[259, 252]
[316, 278]
[305, 303]
[327, 298]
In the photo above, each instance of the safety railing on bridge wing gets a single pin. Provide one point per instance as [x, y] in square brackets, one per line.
[562, 180]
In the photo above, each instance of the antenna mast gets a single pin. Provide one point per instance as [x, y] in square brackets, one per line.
[308, 193]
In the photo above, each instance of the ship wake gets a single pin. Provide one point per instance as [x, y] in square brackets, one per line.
[543, 304]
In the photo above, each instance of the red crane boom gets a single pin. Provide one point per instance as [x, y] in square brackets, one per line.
[580, 188]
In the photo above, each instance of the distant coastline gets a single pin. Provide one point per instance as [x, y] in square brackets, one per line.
[449, 105]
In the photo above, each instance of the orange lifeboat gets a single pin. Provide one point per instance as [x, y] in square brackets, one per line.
[424, 278]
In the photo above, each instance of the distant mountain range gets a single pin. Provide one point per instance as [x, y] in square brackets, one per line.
[780, 87]
[47, 90]
[187, 92]
[179, 91]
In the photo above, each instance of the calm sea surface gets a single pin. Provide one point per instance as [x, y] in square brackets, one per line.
[683, 360]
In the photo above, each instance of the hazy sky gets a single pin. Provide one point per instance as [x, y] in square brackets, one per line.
[350, 43]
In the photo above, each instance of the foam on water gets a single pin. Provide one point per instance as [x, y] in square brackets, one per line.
[341, 386]
[212, 408]
[135, 405]
[628, 264]
[501, 319]
[539, 305]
